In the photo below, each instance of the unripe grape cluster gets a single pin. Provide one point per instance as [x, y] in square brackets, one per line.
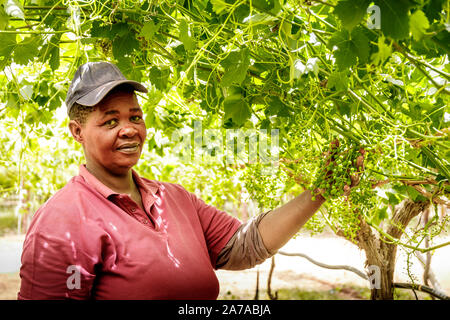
[336, 169]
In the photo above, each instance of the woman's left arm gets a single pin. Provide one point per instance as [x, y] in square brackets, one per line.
[281, 224]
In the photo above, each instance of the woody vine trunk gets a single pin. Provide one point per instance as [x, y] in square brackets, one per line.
[382, 254]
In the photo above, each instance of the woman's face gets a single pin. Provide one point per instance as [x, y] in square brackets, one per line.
[114, 134]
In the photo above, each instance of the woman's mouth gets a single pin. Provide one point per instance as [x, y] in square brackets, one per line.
[129, 148]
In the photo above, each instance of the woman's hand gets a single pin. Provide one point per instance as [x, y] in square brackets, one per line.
[341, 172]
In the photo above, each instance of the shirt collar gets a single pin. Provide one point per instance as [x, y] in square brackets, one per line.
[147, 186]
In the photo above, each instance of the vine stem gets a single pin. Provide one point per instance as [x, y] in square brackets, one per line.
[203, 48]
[34, 32]
[327, 266]
[416, 64]
[408, 56]
[397, 242]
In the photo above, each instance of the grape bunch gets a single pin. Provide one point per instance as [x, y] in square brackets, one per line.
[339, 170]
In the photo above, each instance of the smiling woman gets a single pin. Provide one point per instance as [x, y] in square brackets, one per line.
[129, 237]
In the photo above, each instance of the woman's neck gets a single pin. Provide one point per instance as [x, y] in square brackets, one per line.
[123, 183]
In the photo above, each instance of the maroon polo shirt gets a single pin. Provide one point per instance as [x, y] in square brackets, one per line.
[88, 241]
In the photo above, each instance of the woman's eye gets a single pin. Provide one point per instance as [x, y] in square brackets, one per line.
[136, 118]
[111, 122]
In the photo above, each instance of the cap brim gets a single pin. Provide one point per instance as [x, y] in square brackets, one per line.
[95, 96]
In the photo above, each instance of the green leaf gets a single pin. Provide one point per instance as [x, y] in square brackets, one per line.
[200, 4]
[219, 6]
[186, 36]
[27, 50]
[159, 78]
[125, 44]
[148, 30]
[128, 68]
[264, 5]
[50, 52]
[276, 107]
[100, 31]
[235, 67]
[13, 105]
[54, 53]
[380, 215]
[414, 195]
[237, 110]
[443, 40]
[120, 29]
[394, 18]
[418, 24]
[433, 9]
[350, 47]
[338, 80]
[8, 42]
[3, 18]
[384, 52]
[351, 12]
[14, 9]
[393, 198]
[437, 113]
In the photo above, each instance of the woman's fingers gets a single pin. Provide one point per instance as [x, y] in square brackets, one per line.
[359, 169]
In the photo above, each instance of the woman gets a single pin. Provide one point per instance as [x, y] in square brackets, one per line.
[111, 234]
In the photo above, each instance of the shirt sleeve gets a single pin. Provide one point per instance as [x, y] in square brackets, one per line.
[218, 226]
[59, 256]
[245, 249]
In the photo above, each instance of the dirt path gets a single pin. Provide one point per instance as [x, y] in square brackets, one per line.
[290, 272]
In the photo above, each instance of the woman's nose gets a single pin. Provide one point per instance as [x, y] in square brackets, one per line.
[128, 130]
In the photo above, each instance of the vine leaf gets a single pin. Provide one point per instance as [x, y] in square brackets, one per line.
[384, 51]
[338, 80]
[148, 30]
[218, 6]
[8, 42]
[159, 78]
[264, 5]
[351, 12]
[186, 37]
[124, 44]
[394, 18]
[350, 47]
[200, 4]
[276, 107]
[26, 50]
[433, 8]
[235, 65]
[50, 52]
[100, 31]
[3, 18]
[419, 24]
[443, 40]
[237, 110]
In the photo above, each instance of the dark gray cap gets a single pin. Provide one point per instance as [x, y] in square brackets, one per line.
[93, 81]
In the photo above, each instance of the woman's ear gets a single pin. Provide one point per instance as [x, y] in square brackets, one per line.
[75, 129]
